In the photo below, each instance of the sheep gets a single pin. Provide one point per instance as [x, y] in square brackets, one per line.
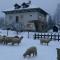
[13, 40]
[1, 39]
[8, 40]
[45, 40]
[4, 39]
[31, 50]
[17, 40]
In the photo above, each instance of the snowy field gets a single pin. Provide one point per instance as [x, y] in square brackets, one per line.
[15, 52]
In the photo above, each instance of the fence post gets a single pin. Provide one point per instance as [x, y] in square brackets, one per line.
[51, 35]
[48, 35]
[44, 35]
[41, 35]
[55, 36]
[58, 36]
[35, 36]
[28, 34]
[38, 36]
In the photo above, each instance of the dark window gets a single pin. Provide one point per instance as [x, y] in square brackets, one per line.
[17, 19]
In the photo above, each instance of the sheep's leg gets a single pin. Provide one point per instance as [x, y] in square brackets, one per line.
[4, 42]
[35, 53]
[18, 43]
[41, 43]
[12, 43]
[30, 54]
[47, 44]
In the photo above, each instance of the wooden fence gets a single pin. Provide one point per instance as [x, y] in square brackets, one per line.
[49, 35]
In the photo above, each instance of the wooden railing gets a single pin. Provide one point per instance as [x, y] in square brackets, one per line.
[54, 36]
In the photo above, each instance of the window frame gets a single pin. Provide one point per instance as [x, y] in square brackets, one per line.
[17, 19]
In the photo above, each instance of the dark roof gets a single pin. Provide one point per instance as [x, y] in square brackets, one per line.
[26, 10]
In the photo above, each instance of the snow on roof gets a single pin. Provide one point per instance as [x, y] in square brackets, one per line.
[22, 10]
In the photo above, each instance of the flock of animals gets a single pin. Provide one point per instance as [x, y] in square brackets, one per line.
[10, 40]
[33, 50]
[16, 40]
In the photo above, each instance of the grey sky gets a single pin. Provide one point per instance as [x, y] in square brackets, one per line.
[47, 5]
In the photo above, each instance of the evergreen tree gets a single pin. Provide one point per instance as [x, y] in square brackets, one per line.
[51, 23]
[56, 16]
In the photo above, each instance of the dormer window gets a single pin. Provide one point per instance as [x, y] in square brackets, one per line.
[17, 19]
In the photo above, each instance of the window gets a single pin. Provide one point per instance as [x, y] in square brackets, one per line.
[29, 25]
[17, 19]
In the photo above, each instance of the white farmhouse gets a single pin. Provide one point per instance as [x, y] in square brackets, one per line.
[26, 18]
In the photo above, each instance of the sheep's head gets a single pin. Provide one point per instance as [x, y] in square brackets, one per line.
[21, 37]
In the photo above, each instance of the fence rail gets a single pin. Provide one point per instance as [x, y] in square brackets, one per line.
[55, 36]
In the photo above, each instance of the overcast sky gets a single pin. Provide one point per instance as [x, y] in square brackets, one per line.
[47, 5]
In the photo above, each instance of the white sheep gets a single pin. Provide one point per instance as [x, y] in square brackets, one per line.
[1, 39]
[45, 40]
[17, 40]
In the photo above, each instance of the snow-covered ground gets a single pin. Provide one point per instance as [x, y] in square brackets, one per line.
[15, 52]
